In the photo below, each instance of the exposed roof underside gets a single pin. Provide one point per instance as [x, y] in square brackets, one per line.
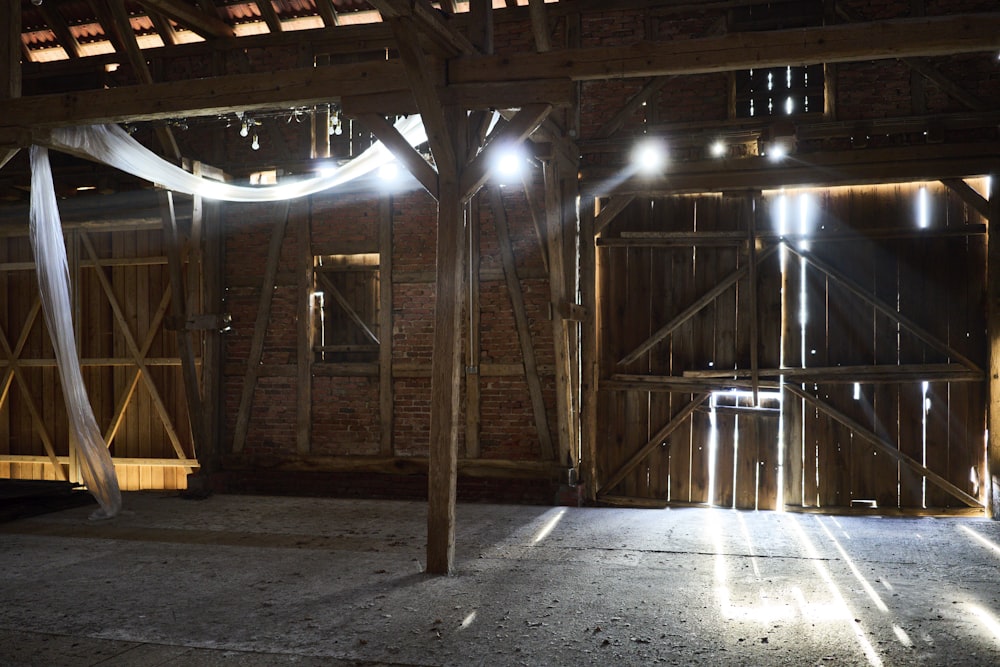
[62, 29]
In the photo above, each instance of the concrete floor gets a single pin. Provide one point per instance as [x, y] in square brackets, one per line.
[245, 580]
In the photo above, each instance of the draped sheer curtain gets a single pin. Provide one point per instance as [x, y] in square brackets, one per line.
[113, 146]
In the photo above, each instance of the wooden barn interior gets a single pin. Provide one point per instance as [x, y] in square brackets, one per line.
[655, 261]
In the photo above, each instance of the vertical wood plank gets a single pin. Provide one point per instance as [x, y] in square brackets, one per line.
[10, 51]
[304, 330]
[591, 343]
[385, 385]
[473, 415]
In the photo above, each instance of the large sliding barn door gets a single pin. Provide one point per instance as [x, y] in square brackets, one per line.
[130, 362]
[861, 307]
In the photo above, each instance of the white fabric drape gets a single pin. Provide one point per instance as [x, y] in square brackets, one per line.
[113, 146]
[53, 285]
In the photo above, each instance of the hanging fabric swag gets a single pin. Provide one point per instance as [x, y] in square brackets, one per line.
[113, 146]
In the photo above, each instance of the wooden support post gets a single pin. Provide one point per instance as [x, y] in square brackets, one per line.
[212, 252]
[10, 51]
[304, 332]
[589, 352]
[993, 329]
[445, 378]
[473, 416]
[559, 295]
[192, 387]
[385, 388]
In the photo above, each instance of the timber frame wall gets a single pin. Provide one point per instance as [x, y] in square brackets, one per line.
[502, 340]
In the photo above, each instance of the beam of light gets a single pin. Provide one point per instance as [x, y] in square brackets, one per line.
[839, 603]
[837, 524]
[901, 635]
[988, 620]
[713, 444]
[548, 527]
[468, 620]
[746, 536]
[872, 593]
[765, 612]
[923, 209]
[989, 544]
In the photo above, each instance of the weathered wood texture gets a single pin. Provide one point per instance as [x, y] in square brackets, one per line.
[130, 361]
[907, 302]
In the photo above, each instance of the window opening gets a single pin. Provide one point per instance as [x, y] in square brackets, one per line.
[346, 298]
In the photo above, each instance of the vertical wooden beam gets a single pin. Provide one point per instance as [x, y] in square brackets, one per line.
[304, 331]
[473, 416]
[540, 25]
[192, 387]
[750, 206]
[445, 378]
[993, 328]
[385, 383]
[10, 51]
[212, 252]
[558, 297]
[481, 25]
[590, 344]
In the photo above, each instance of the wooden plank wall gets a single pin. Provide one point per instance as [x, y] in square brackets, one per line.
[862, 238]
[147, 415]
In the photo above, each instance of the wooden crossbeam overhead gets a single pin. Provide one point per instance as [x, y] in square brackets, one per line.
[205, 97]
[513, 133]
[826, 169]
[57, 24]
[403, 151]
[269, 15]
[163, 27]
[429, 22]
[209, 26]
[967, 194]
[327, 12]
[895, 38]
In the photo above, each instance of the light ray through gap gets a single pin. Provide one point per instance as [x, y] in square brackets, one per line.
[872, 593]
[838, 598]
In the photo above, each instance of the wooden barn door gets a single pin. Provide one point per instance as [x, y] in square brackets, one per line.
[848, 321]
[128, 351]
[683, 289]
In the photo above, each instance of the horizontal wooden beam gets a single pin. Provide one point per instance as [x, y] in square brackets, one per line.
[895, 38]
[203, 97]
[116, 460]
[853, 167]
[880, 374]
[393, 465]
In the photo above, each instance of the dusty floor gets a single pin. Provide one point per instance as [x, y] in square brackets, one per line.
[236, 580]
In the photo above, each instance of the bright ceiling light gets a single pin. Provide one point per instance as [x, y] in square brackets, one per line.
[777, 152]
[510, 164]
[649, 156]
[718, 148]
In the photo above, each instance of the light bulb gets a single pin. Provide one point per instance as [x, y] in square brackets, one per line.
[244, 129]
[255, 144]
